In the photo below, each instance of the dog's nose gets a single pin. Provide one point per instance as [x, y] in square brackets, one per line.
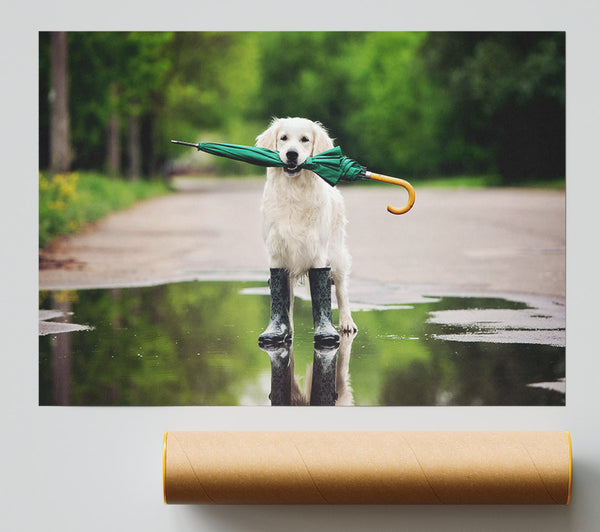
[292, 156]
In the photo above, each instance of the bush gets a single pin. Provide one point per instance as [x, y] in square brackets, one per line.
[69, 201]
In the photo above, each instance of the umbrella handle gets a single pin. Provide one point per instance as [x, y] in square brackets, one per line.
[396, 181]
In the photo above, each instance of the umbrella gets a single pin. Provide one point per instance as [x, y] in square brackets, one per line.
[330, 165]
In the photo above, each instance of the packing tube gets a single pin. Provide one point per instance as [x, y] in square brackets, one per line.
[367, 467]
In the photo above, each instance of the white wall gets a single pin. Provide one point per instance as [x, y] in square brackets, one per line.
[98, 469]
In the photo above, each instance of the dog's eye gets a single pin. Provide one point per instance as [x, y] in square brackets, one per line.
[284, 138]
[305, 139]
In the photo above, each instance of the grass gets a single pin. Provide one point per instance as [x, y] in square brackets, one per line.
[68, 202]
[490, 181]
[467, 181]
[484, 181]
[480, 181]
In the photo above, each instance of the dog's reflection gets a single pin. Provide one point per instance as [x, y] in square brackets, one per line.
[327, 378]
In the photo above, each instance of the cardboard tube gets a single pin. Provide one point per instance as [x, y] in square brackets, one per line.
[367, 467]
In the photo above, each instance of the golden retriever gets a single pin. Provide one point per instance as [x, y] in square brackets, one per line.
[303, 217]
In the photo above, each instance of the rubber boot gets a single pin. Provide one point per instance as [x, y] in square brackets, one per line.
[320, 293]
[279, 329]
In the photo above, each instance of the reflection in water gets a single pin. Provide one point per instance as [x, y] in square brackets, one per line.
[195, 344]
[281, 374]
[61, 351]
[322, 391]
[327, 378]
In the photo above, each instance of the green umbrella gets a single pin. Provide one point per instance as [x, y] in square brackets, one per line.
[246, 154]
[330, 165]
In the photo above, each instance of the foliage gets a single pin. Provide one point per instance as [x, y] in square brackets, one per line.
[394, 121]
[132, 62]
[305, 74]
[141, 353]
[55, 195]
[507, 94]
[414, 104]
[67, 202]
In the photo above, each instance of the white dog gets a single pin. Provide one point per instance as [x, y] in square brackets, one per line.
[303, 216]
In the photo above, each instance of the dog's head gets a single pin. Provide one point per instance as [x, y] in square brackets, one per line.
[295, 139]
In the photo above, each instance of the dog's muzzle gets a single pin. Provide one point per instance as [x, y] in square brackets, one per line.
[291, 167]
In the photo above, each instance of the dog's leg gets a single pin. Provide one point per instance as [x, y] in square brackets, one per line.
[291, 308]
[345, 394]
[347, 324]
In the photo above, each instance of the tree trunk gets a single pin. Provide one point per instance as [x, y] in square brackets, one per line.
[151, 147]
[135, 148]
[113, 162]
[60, 148]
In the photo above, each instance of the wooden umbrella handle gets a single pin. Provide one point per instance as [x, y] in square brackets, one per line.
[396, 181]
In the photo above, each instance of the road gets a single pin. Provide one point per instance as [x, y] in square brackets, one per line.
[461, 240]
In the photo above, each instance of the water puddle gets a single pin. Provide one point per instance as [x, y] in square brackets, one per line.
[195, 343]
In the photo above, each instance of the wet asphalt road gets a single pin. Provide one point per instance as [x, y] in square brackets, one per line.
[471, 240]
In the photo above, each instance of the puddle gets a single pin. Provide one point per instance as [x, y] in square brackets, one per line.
[195, 343]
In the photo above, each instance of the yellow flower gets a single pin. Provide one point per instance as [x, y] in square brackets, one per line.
[66, 296]
[58, 205]
[67, 184]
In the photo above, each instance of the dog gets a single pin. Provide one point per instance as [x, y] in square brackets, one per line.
[303, 217]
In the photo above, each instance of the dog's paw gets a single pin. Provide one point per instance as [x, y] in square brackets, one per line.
[347, 325]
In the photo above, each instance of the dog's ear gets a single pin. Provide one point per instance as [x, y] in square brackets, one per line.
[322, 140]
[268, 138]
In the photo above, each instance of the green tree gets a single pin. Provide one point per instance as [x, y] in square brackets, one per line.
[506, 93]
[394, 119]
[118, 79]
[306, 74]
[60, 130]
[404, 103]
[213, 82]
[112, 75]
